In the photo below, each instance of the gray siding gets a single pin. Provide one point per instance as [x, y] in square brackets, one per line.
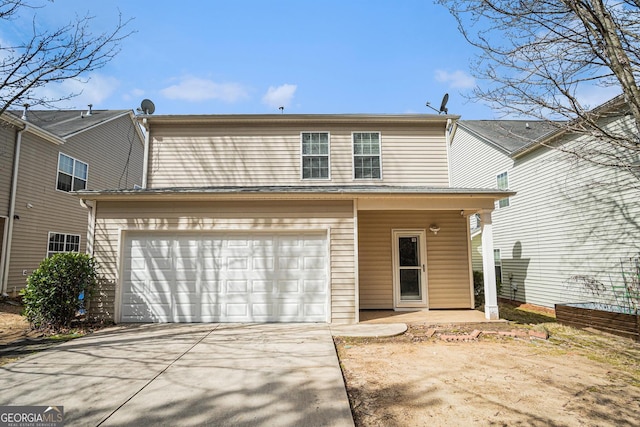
[7, 147]
[570, 223]
[337, 217]
[196, 156]
[114, 156]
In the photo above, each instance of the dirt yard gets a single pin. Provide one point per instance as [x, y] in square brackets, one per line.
[13, 327]
[574, 378]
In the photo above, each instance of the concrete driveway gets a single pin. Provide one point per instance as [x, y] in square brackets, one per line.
[187, 374]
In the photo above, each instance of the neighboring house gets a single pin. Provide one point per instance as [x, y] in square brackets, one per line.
[563, 236]
[288, 218]
[44, 156]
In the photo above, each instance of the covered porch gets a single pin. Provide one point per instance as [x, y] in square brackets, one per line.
[431, 317]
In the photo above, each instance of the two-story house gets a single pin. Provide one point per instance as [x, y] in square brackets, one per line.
[44, 157]
[288, 218]
[574, 225]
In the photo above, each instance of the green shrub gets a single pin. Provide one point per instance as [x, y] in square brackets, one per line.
[52, 296]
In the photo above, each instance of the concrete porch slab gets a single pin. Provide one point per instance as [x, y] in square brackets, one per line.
[424, 316]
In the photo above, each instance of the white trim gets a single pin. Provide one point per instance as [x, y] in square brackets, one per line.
[146, 153]
[117, 303]
[3, 250]
[470, 264]
[73, 176]
[65, 242]
[506, 173]
[356, 262]
[329, 317]
[422, 235]
[12, 210]
[328, 178]
[448, 141]
[125, 232]
[353, 156]
[488, 266]
[95, 125]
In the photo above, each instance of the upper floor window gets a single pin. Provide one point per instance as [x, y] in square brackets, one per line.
[315, 155]
[503, 184]
[366, 155]
[72, 174]
[60, 242]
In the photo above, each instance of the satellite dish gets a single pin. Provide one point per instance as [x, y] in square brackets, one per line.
[147, 106]
[443, 104]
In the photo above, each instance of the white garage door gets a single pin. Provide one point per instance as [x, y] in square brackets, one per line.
[235, 277]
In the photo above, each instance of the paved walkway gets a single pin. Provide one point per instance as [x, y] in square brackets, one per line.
[187, 374]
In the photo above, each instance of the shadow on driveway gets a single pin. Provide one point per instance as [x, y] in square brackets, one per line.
[187, 374]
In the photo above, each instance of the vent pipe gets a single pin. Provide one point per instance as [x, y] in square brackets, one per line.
[24, 113]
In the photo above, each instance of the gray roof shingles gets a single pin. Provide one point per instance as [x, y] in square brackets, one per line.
[63, 123]
[510, 135]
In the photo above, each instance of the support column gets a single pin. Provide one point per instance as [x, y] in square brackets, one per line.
[489, 269]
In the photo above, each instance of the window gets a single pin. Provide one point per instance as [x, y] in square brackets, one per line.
[497, 261]
[72, 174]
[366, 155]
[315, 155]
[503, 184]
[60, 242]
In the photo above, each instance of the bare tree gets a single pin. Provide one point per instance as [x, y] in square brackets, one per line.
[51, 56]
[537, 57]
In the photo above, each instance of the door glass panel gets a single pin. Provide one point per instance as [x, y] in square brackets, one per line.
[410, 284]
[410, 268]
[408, 249]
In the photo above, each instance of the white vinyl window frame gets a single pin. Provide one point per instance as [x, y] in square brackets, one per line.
[72, 175]
[315, 154]
[358, 158]
[62, 242]
[502, 182]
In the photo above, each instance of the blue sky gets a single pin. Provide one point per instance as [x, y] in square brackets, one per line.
[250, 56]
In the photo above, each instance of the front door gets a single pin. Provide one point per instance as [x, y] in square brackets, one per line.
[409, 279]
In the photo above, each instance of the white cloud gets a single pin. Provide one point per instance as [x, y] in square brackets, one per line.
[93, 90]
[197, 89]
[134, 94]
[280, 96]
[456, 79]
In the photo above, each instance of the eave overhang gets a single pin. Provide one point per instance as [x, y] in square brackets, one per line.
[295, 119]
[456, 198]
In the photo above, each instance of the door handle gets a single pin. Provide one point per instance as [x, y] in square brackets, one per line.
[423, 268]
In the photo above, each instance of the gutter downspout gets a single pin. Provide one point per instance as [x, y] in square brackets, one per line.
[145, 161]
[6, 246]
[91, 224]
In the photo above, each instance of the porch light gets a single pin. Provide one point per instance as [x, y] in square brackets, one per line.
[434, 228]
